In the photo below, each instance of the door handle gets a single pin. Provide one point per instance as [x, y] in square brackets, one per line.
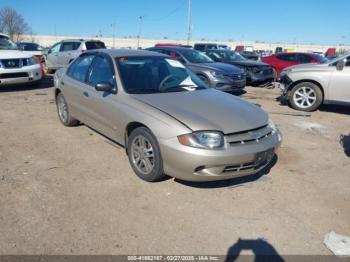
[86, 94]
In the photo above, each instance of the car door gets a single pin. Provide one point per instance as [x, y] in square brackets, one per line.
[339, 87]
[67, 53]
[51, 59]
[103, 106]
[75, 86]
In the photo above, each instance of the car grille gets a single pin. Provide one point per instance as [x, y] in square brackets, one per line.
[253, 136]
[12, 63]
[236, 76]
[13, 75]
[262, 159]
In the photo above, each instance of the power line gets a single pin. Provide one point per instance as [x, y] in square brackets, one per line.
[170, 13]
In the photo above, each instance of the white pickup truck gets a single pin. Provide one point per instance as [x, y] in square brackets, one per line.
[17, 67]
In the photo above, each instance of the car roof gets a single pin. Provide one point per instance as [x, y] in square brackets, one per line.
[128, 52]
[173, 48]
[209, 44]
[81, 40]
[4, 35]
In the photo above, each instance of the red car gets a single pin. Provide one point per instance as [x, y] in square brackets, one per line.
[283, 60]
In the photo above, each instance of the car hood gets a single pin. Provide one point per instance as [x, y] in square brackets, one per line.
[208, 109]
[248, 63]
[13, 54]
[308, 67]
[230, 69]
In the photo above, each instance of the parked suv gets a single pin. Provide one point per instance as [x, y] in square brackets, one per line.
[257, 72]
[206, 46]
[217, 75]
[306, 87]
[64, 52]
[17, 67]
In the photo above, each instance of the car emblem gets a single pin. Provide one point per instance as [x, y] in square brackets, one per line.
[12, 63]
[255, 135]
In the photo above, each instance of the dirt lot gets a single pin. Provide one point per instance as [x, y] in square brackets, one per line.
[71, 191]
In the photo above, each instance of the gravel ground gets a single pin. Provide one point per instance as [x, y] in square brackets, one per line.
[71, 191]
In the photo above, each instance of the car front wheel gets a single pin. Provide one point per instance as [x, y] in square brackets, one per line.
[306, 96]
[63, 111]
[144, 155]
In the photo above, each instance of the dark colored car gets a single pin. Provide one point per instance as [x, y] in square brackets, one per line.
[257, 72]
[283, 60]
[206, 46]
[251, 55]
[221, 76]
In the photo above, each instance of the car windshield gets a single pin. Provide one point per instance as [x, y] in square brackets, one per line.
[231, 56]
[196, 57]
[29, 47]
[7, 44]
[144, 75]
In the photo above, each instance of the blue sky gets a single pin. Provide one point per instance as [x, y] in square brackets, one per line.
[303, 21]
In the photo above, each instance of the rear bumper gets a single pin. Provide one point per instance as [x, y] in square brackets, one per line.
[22, 75]
[193, 164]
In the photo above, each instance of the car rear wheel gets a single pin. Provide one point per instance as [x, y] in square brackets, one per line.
[63, 111]
[306, 96]
[144, 155]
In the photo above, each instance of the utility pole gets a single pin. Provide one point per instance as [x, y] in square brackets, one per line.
[113, 26]
[140, 30]
[189, 21]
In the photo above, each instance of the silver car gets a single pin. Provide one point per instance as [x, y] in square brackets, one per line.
[308, 86]
[167, 119]
[64, 52]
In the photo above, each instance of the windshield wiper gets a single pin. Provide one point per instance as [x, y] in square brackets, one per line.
[180, 86]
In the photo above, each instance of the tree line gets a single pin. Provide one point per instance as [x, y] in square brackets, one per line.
[13, 24]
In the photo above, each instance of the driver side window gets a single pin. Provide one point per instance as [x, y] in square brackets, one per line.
[347, 61]
[101, 71]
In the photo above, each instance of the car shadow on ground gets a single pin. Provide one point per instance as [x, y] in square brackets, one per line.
[345, 142]
[231, 182]
[238, 92]
[262, 250]
[340, 109]
[45, 83]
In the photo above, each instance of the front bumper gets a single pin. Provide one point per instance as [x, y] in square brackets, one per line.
[193, 164]
[285, 84]
[21, 75]
[228, 85]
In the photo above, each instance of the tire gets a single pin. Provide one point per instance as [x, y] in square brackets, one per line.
[63, 111]
[204, 79]
[305, 96]
[149, 165]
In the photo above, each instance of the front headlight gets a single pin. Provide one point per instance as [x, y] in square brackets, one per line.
[272, 125]
[217, 74]
[203, 139]
[286, 72]
[31, 61]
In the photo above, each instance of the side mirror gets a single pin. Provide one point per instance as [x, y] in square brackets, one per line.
[49, 51]
[105, 87]
[340, 65]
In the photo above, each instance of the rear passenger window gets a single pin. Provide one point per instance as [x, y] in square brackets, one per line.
[199, 47]
[304, 58]
[288, 57]
[80, 67]
[101, 71]
[70, 46]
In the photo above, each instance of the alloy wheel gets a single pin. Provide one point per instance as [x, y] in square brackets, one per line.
[304, 97]
[142, 154]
